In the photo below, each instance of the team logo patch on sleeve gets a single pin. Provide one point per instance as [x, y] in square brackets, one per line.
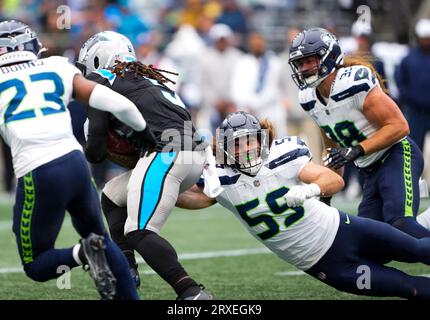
[361, 73]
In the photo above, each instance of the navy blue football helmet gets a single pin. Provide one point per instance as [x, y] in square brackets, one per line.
[314, 42]
[18, 43]
[237, 145]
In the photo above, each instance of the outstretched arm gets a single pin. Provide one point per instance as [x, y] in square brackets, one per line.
[194, 198]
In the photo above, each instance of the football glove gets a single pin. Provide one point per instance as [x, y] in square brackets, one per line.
[297, 195]
[144, 141]
[338, 157]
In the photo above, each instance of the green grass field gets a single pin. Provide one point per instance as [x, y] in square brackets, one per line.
[214, 248]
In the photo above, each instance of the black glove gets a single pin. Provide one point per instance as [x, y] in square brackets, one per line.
[144, 141]
[337, 158]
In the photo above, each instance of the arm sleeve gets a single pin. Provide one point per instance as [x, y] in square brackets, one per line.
[98, 129]
[105, 99]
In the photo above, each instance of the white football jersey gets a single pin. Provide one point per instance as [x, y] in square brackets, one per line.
[300, 235]
[35, 121]
[342, 116]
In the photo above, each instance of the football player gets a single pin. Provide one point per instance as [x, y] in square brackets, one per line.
[53, 175]
[270, 187]
[359, 122]
[145, 196]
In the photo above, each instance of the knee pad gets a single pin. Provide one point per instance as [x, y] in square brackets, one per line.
[135, 236]
[149, 242]
[107, 204]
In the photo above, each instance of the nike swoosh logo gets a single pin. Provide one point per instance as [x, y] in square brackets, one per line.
[347, 220]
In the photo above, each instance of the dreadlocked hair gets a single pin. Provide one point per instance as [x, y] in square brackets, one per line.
[142, 70]
[363, 60]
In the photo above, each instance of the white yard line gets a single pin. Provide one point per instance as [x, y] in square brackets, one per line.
[183, 256]
[290, 273]
[218, 254]
[301, 273]
[203, 255]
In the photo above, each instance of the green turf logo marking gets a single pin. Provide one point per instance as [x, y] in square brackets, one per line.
[27, 212]
[407, 174]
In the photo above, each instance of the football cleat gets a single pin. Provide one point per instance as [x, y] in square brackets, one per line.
[96, 263]
[200, 295]
[135, 276]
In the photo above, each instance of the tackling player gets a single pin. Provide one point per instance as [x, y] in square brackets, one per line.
[269, 186]
[359, 122]
[53, 175]
[145, 196]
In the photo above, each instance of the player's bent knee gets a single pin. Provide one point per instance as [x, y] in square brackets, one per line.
[33, 273]
[107, 204]
[138, 235]
[410, 226]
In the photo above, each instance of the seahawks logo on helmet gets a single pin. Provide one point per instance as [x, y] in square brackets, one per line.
[321, 44]
[242, 143]
[327, 38]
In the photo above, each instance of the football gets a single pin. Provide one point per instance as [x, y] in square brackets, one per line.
[119, 145]
[120, 151]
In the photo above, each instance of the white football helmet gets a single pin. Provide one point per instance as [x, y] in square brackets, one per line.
[18, 43]
[102, 49]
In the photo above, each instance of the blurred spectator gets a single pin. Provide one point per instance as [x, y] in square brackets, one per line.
[298, 122]
[204, 24]
[8, 173]
[362, 33]
[255, 84]
[124, 21]
[146, 48]
[191, 12]
[413, 78]
[184, 50]
[235, 17]
[148, 53]
[216, 65]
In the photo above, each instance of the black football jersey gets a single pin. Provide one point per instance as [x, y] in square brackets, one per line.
[163, 110]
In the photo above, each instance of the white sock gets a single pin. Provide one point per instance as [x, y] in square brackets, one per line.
[76, 249]
[424, 219]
